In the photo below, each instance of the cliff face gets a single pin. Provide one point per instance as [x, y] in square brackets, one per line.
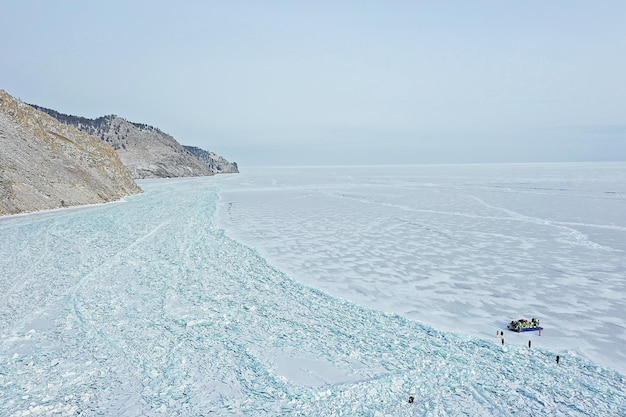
[215, 162]
[146, 151]
[45, 164]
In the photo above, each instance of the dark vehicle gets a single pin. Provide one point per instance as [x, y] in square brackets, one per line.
[523, 325]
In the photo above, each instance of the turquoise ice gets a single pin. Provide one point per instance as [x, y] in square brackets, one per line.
[149, 307]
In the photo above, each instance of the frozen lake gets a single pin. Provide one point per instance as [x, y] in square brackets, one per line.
[313, 292]
[464, 248]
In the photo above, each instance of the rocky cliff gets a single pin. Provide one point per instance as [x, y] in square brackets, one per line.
[216, 163]
[46, 164]
[146, 151]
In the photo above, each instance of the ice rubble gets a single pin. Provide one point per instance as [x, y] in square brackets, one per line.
[148, 308]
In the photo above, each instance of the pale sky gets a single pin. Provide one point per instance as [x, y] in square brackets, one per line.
[335, 82]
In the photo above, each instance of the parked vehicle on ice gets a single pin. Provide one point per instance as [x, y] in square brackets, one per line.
[523, 325]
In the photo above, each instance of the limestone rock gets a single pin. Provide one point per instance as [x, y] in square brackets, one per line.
[45, 164]
[146, 151]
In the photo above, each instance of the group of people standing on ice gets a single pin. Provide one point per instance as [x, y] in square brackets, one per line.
[500, 334]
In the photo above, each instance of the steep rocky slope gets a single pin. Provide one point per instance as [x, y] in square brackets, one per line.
[145, 150]
[216, 163]
[45, 164]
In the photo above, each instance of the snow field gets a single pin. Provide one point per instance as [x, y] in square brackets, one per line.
[463, 249]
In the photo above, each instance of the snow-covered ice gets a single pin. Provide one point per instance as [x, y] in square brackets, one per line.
[323, 292]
